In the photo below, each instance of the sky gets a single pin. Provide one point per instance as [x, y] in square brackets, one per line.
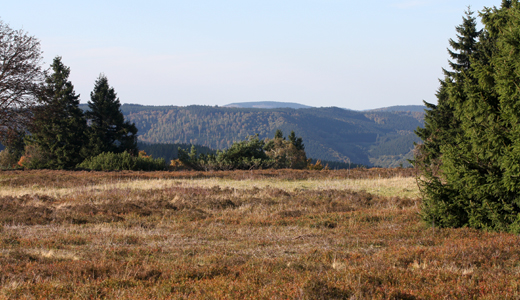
[350, 54]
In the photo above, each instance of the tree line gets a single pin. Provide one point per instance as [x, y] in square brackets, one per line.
[57, 134]
[41, 124]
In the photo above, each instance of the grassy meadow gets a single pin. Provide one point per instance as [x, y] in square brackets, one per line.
[273, 234]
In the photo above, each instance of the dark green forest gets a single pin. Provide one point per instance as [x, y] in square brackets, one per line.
[372, 138]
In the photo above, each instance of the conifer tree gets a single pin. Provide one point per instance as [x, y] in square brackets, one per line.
[58, 130]
[108, 130]
[477, 183]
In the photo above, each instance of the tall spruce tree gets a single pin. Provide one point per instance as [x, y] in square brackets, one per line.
[108, 130]
[484, 168]
[58, 130]
[478, 183]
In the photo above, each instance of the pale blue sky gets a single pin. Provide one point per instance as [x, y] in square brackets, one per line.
[351, 54]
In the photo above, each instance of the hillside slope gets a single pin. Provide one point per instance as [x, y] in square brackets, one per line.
[372, 138]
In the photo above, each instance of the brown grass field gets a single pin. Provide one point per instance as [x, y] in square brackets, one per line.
[239, 235]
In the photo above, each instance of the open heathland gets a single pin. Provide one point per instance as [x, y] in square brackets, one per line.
[272, 234]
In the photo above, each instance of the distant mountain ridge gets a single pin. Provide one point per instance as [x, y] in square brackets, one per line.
[402, 108]
[275, 104]
[267, 104]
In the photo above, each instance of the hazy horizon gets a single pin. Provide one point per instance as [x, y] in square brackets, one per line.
[278, 102]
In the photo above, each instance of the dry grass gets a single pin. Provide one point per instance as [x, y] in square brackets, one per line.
[401, 186]
[239, 235]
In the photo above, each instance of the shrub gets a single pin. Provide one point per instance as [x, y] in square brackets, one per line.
[245, 155]
[251, 154]
[317, 166]
[286, 154]
[33, 158]
[108, 161]
[8, 159]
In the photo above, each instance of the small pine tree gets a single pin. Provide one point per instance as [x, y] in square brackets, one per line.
[108, 130]
[278, 134]
[296, 141]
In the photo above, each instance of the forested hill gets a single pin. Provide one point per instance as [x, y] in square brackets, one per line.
[379, 138]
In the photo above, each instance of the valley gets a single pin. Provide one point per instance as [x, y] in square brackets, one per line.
[383, 137]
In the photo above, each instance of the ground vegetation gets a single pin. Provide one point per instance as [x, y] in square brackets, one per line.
[291, 234]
